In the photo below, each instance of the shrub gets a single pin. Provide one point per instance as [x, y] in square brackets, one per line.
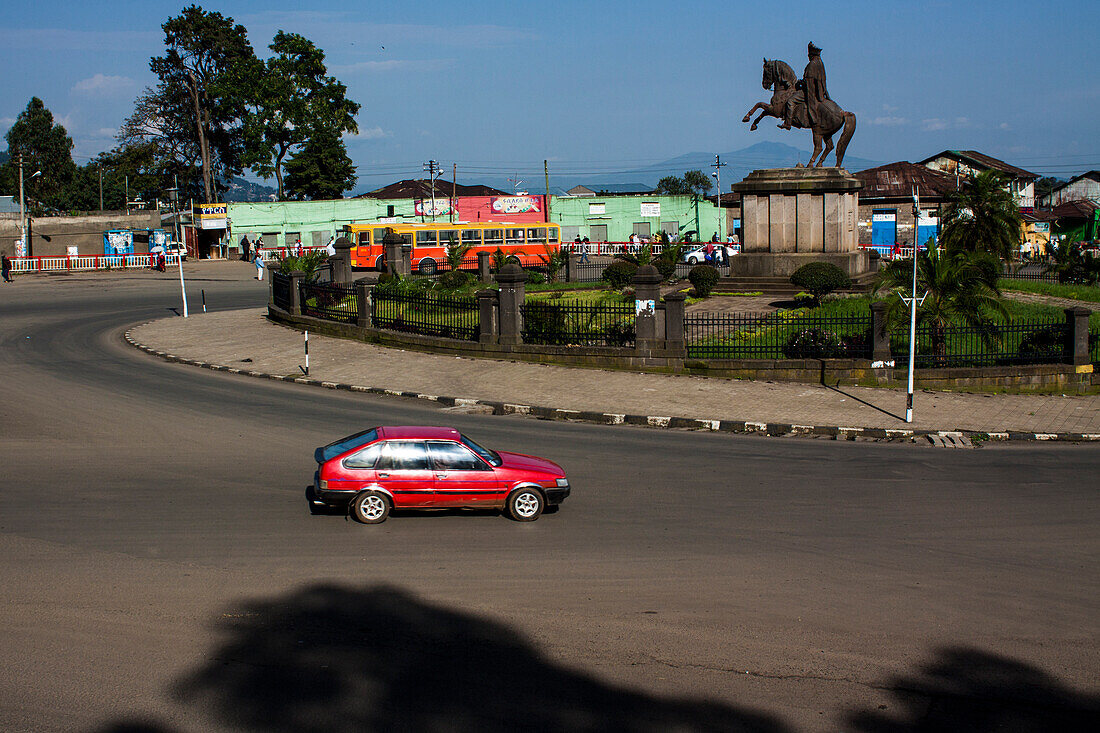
[619, 273]
[544, 324]
[534, 277]
[621, 334]
[1045, 346]
[665, 265]
[820, 278]
[704, 278]
[454, 280]
[814, 343]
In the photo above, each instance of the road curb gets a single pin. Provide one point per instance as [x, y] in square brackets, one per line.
[774, 429]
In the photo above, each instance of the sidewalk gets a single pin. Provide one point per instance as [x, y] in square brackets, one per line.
[245, 341]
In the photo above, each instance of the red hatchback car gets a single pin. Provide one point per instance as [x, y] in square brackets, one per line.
[386, 468]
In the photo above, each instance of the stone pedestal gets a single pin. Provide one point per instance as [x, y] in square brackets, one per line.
[791, 216]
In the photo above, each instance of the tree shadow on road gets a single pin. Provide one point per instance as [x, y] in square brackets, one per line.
[965, 689]
[333, 658]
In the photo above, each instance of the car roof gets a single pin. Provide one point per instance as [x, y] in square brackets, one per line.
[418, 432]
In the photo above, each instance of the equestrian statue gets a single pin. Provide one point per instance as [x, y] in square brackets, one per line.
[806, 105]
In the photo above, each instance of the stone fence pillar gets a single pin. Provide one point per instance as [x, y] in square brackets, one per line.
[674, 321]
[398, 257]
[647, 291]
[488, 315]
[512, 293]
[1077, 336]
[880, 333]
[296, 278]
[362, 302]
[484, 265]
[341, 261]
[572, 267]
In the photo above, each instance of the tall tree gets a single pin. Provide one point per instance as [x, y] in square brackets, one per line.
[982, 215]
[672, 186]
[45, 146]
[321, 169]
[293, 99]
[698, 182]
[199, 94]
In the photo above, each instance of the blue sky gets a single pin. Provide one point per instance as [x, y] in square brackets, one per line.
[604, 86]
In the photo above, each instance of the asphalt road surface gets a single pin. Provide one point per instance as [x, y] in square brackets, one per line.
[161, 571]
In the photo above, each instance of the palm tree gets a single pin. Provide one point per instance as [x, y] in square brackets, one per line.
[982, 215]
[1070, 265]
[961, 287]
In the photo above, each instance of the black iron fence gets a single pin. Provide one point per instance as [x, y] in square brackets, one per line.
[777, 335]
[1023, 342]
[280, 290]
[447, 316]
[1031, 275]
[578, 324]
[1094, 344]
[329, 301]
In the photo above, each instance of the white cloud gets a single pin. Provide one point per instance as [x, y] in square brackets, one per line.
[933, 124]
[381, 67]
[962, 122]
[890, 121]
[370, 133]
[1005, 126]
[102, 85]
[889, 109]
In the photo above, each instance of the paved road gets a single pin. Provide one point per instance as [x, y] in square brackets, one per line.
[161, 572]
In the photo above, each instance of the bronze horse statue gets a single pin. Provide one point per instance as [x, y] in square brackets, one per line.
[788, 103]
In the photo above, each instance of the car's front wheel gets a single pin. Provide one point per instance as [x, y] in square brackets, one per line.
[525, 505]
[371, 507]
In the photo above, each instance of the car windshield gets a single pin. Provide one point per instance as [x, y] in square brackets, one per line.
[343, 445]
[489, 455]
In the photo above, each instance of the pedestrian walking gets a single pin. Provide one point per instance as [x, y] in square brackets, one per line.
[708, 253]
[244, 249]
[298, 247]
[330, 248]
[258, 261]
[6, 268]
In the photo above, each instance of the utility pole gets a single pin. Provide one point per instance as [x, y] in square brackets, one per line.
[127, 193]
[22, 210]
[100, 166]
[454, 190]
[718, 166]
[546, 172]
[432, 167]
[913, 302]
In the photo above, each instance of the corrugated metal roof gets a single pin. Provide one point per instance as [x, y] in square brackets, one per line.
[421, 188]
[1094, 175]
[981, 160]
[1075, 210]
[896, 180]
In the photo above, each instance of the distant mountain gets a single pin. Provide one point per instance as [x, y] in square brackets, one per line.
[738, 164]
[242, 190]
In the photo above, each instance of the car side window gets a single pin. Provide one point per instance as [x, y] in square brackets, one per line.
[447, 456]
[365, 458]
[403, 455]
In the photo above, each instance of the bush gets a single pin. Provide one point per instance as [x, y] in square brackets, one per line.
[820, 278]
[1045, 346]
[813, 343]
[619, 273]
[704, 278]
[453, 280]
[621, 334]
[665, 265]
[534, 277]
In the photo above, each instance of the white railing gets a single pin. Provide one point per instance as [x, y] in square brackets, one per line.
[83, 263]
[275, 254]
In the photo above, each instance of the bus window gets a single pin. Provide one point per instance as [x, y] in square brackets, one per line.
[553, 235]
[536, 236]
[513, 237]
[447, 237]
[471, 237]
[425, 239]
[379, 235]
[364, 238]
[494, 237]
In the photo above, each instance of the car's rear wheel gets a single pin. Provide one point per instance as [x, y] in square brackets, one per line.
[525, 505]
[371, 507]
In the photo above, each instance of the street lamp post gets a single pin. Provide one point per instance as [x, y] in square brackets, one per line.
[23, 209]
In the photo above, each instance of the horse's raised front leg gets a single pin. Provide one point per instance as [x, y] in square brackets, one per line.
[748, 115]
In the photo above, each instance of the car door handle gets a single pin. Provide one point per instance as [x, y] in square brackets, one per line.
[383, 475]
[441, 475]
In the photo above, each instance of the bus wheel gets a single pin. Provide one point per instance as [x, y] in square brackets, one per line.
[427, 266]
[513, 260]
[380, 263]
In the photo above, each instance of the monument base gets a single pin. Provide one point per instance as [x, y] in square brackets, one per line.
[766, 264]
[792, 216]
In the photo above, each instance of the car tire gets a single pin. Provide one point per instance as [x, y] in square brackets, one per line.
[525, 505]
[371, 507]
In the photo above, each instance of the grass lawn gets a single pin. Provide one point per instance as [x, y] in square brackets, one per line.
[1086, 293]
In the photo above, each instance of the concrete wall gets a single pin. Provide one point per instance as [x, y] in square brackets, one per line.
[53, 235]
[903, 210]
[280, 222]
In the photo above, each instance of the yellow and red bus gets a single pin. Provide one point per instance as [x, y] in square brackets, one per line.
[523, 243]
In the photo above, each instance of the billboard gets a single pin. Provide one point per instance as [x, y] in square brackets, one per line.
[516, 204]
[443, 207]
[211, 216]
